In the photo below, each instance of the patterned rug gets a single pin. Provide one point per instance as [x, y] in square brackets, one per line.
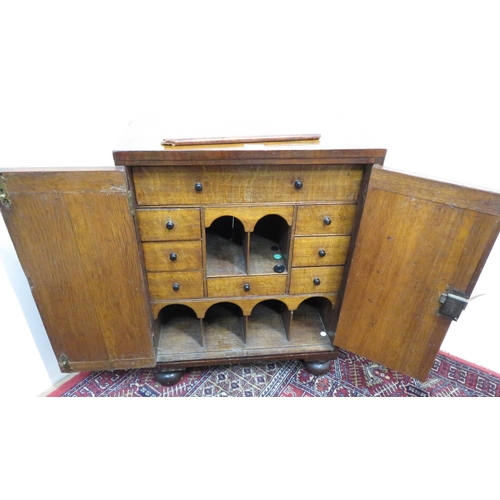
[349, 376]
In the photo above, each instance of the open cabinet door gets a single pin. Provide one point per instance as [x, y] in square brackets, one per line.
[76, 240]
[419, 250]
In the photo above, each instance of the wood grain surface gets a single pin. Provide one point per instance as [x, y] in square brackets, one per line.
[416, 239]
[84, 269]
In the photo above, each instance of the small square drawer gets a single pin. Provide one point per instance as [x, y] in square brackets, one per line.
[242, 286]
[320, 250]
[169, 224]
[172, 255]
[176, 285]
[316, 279]
[325, 219]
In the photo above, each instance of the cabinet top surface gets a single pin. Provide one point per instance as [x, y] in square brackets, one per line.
[142, 144]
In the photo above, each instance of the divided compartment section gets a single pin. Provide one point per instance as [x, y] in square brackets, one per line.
[185, 337]
[247, 240]
[267, 328]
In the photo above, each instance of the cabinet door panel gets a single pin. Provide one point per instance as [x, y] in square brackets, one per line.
[77, 243]
[417, 239]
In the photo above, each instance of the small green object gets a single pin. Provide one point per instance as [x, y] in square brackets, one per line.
[277, 256]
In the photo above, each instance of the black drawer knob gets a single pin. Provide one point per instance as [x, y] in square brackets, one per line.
[198, 187]
[321, 253]
[176, 287]
[298, 184]
[246, 287]
[327, 221]
[173, 256]
[316, 281]
[170, 225]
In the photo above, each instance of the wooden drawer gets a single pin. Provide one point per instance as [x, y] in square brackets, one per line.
[190, 285]
[173, 255]
[184, 224]
[234, 286]
[325, 219]
[320, 250]
[303, 279]
[195, 185]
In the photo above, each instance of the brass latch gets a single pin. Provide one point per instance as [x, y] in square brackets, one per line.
[453, 303]
[4, 197]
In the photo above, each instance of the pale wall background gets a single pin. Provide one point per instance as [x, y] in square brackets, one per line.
[418, 79]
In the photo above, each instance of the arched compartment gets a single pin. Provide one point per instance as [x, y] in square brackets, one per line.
[269, 245]
[311, 322]
[180, 332]
[225, 327]
[226, 243]
[268, 324]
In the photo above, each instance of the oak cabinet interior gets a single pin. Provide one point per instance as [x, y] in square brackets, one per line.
[188, 256]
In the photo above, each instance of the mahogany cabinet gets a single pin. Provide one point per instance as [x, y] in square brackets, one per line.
[183, 256]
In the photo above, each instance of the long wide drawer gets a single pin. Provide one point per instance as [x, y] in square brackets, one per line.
[241, 286]
[193, 185]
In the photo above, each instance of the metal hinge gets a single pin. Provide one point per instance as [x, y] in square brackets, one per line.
[64, 365]
[4, 197]
[453, 303]
[131, 202]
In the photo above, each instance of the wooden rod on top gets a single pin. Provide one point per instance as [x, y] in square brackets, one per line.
[240, 140]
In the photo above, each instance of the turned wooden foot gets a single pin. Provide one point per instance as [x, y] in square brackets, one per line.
[169, 378]
[318, 367]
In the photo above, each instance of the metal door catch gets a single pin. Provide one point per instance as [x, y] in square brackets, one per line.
[453, 303]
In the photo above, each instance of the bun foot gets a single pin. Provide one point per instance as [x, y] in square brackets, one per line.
[318, 367]
[169, 378]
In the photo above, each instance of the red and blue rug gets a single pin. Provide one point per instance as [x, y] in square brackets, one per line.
[349, 376]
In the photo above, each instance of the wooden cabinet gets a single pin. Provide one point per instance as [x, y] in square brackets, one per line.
[189, 256]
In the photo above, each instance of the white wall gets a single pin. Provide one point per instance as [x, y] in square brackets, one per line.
[420, 80]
